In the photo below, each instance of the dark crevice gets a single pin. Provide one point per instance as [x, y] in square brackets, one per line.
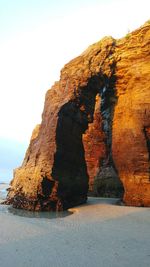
[47, 186]
[107, 182]
[108, 102]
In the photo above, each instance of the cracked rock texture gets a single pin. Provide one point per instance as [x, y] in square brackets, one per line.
[95, 130]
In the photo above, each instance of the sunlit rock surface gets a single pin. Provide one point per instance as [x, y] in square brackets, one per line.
[95, 129]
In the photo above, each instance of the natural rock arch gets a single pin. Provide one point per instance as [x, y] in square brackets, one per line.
[113, 141]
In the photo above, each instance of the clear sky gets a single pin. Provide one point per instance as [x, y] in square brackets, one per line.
[37, 37]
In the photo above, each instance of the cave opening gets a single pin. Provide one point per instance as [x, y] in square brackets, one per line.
[70, 168]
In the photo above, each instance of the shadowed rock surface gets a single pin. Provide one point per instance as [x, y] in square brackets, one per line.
[95, 130]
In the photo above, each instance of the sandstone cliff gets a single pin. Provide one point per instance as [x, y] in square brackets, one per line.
[95, 125]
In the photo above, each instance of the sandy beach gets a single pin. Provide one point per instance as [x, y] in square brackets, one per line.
[99, 233]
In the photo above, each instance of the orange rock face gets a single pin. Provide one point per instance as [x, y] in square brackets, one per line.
[95, 123]
[131, 122]
[94, 144]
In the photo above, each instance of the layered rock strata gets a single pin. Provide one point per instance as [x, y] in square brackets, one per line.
[95, 124]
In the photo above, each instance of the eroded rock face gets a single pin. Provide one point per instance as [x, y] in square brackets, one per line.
[95, 123]
[131, 120]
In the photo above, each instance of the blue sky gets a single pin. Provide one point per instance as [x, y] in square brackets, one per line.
[11, 156]
[16, 15]
[36, 39]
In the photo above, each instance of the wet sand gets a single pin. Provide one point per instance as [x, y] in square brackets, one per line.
[97, 234]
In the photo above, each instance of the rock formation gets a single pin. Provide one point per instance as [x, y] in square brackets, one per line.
[95, 126]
